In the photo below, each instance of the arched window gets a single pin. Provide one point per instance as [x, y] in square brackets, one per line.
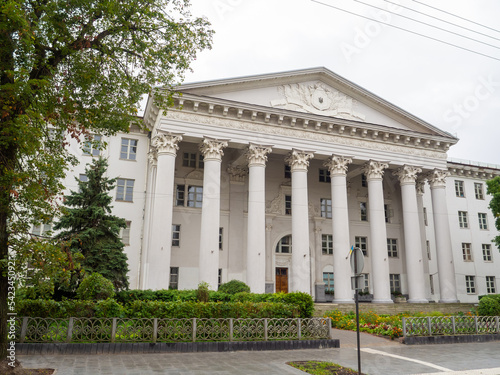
[284, 245]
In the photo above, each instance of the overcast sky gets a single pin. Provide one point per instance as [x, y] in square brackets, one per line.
[456, 90]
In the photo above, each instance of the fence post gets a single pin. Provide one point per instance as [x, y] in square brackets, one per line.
[429, 325]
[404, 326]
[330, 332]
[69, 334]
[453, 326]
[475, 325]
[155, 329]
[230, 329]
[265, 329]
[497, 319]
[113, 330]
[194, 329]
[24, 328]
[299, 329]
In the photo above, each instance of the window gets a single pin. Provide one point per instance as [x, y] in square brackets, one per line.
[124, 190]
[395, 282]
[431, 283]
[364, 182]
[284, 246]
[466, 252]
[470, 284]
[362, 243]
[326, 208]
[176, 235]
[192, 160]
[220, 237]
[459, 189]
[392, 247]
[490, 285]
[126, 234]
[92, 146]
[428, 246]
[288, 171]
[288, 204]
[426, 223]
[365, 283]
[174, 278]
[83, 177]
[487, 252]
[41, 229]
[387, 213]
[324, 175]
[328, 280]
[483, 221]
[195, 196]
[219, 278]
[128, 150]
[364, 211]
[327, 244]
[478, 190]
[462, 219]
[180, 195]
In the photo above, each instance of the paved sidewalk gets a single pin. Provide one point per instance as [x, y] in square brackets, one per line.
[379, 357]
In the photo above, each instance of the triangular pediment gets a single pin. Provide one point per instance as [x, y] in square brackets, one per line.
[317, 91]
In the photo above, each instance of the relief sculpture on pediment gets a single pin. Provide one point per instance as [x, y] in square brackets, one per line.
[317, 98]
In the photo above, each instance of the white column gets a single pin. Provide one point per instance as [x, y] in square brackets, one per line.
[446, 269]
[340, 226]
[377, 249]
[148, 217]
[269, 256]
[413, 246]
[317, 253]
[161, 234]
[420, 186]
[210, 212]
[301, 262]
[256, 233]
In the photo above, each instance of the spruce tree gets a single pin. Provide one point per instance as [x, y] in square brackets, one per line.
[87, 226]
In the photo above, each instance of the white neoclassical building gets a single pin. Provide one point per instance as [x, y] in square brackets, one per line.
[271, 179]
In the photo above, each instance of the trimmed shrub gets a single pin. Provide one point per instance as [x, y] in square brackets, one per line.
[202, 293]
[95, 287]
[302, 301]
[234, 286]
[489, 305]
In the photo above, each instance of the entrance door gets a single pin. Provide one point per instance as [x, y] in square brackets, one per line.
[282, 280]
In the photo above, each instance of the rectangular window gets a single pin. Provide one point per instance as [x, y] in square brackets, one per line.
[483, 221]
[189, 160]
[327, 244]
[126, 233]
[128, 150]
[328, 280]
[174, 278]
[176, 235]
[487, 252]
[219, 278]
[478, 190]
[288, 204]
[428, 246]
[326, 208]
[462, 219]
[470, 284]
[387, 213]
[426, 223]
[41, 229]
[490, 285]
[431, 283]
[395, 282]
[362, 243]
[392, 247]
[92, 146]
[83, 177]
[364, 182]
[459, 189]
[466, 252]
[366, 283]
[324, 175]
[195, 196]
[180, 195]
[364, 211]
[124, 190]
[220, 237]
[288, 171]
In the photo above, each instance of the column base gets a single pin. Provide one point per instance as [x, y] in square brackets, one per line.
[417, 300]
[269, 288]
[343, 301]
[382, 301]
[448, 301]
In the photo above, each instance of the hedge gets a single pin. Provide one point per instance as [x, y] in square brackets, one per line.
[489, 305]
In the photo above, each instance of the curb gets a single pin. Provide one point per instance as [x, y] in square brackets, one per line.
[457, 339]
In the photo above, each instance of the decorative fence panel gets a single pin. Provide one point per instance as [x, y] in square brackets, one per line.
[85, 330]
[451, 325]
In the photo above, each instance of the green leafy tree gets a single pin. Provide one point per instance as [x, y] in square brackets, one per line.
[70, 68]
[88, 228]
[494, 190]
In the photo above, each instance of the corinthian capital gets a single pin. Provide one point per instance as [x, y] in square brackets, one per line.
[257, 154]
[337, 164]
[375, 169]
[407, 174]
[211, 148]
[299, 160]
[167, 143]
[437, 178]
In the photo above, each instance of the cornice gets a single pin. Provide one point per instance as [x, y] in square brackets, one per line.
[190, 105]
[470, 171]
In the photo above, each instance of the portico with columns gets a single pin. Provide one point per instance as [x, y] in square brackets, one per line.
[271, 180]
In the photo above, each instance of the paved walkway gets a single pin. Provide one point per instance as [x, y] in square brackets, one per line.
[379, 357]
